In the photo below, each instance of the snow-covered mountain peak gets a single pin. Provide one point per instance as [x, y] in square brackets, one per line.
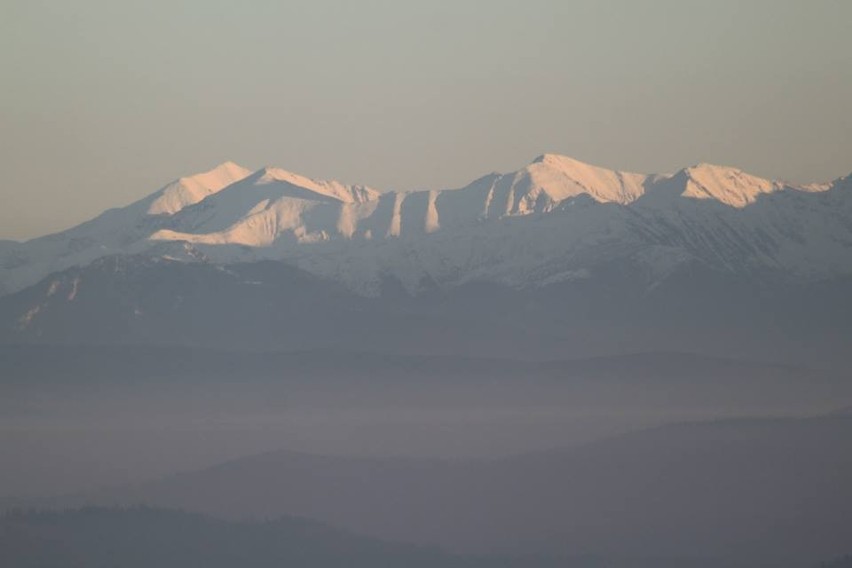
[551, 220]
[562, 177]
[728, 185]
[561, 161]
[192, 189]
[289, 184]
[270, 205]
[229, 168]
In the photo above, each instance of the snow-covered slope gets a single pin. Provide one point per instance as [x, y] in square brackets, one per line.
[118, 230]
[190, 190]
[270, 204]
[553, 220]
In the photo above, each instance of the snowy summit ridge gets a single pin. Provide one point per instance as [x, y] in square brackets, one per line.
[555, 218]
[189, 190]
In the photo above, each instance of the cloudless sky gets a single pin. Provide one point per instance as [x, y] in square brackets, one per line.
[103, 102]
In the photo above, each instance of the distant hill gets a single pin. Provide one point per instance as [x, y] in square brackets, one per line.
[740, 492]
[81, 417]
[148, 538]
[843, 562]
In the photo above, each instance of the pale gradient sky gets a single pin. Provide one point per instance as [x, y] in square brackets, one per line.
[103, 102]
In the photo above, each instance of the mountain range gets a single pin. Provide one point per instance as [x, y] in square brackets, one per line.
[556, 242]
[678, 338]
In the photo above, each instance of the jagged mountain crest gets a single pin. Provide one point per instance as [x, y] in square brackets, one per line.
[556, 217]
[273, 204]
[730, 186]
[561, 177]
[259, 209]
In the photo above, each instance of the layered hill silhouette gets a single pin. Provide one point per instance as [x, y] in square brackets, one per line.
[737, 493]
[144, 537]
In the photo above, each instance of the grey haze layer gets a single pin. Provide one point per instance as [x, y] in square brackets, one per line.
[729, 493]
[141, 537]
